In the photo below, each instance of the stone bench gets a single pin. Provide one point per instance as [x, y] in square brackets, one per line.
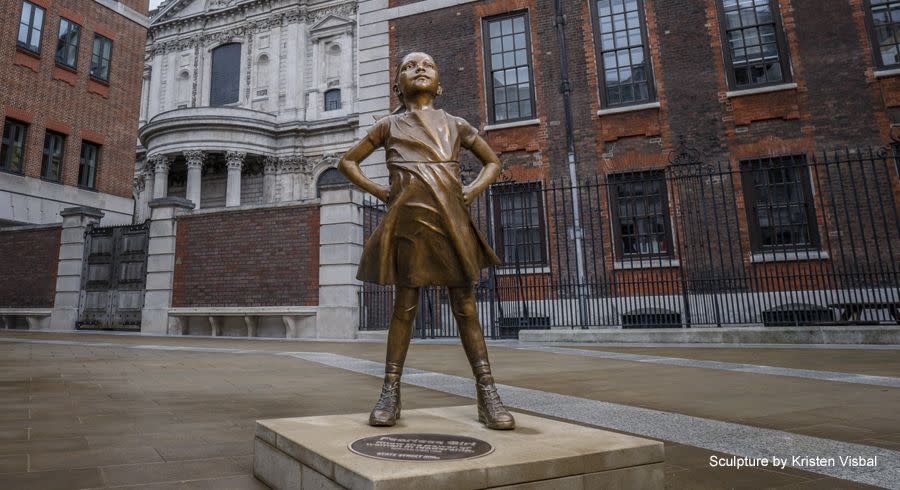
[299, 321]
[37, 318]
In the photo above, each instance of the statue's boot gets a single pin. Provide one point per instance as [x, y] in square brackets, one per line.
[387, 409]
[491, 411]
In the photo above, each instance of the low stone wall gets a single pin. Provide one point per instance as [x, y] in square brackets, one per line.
[28, 266]
[248, 257]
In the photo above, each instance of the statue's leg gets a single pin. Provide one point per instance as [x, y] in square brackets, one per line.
[387, 409]
[491, 411]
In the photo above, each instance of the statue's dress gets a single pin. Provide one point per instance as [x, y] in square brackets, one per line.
[426, 236]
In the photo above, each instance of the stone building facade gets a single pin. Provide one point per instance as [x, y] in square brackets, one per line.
[245, 102]
[69, 107]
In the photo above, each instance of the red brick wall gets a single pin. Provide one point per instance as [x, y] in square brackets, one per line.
[28, 267]
[44, 95]
[260, 257]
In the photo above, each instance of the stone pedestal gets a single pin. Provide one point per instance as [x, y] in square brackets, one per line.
[541, 454]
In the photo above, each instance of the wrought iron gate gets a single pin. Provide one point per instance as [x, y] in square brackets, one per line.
[114, 277]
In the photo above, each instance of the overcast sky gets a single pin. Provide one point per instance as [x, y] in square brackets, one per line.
[154, 4]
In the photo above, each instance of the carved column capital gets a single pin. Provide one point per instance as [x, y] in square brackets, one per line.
[271, 165]
[235, 159]
[159, 163]
[195, 158]
[140, 182]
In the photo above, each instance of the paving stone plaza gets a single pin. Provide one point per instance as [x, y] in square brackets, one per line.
[130, 411]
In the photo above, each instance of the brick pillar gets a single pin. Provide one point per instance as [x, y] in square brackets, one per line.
[161, 263]
[235, 161]
[71, 264]
[340, 249]
[194, 173]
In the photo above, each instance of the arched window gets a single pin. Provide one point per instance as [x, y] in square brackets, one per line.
[330, 179]
[262, 71]
[333, 99]
[226, 75]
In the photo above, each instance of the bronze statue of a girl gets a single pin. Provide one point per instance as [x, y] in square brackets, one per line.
[427, 236]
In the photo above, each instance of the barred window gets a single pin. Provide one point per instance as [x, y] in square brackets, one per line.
[754, 44]
[333, 99]
[507, 55]
[884, 16]
[67, 43]
[621, 39]
[519, 223]
[101, 55]
[639, 206]
[87, 169]
[12, 153]
[51, 163]
[779, 203]
[31, 25]
[226, 75]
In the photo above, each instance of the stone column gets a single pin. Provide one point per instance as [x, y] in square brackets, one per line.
[235, 161]
[340, 249]
[160, 165]
[139, 185]
[270, 178]
[71, 264]
[194, 172]
[161, 264]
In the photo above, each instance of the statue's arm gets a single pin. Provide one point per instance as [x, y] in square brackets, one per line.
[349, 166]
[489, 172]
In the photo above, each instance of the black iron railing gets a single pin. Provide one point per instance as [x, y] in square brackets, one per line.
[794, 240]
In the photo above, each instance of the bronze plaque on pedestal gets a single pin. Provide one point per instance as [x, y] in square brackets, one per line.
[421, 447]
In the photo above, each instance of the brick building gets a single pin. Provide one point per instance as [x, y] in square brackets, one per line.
[702, 150]
[71, 82]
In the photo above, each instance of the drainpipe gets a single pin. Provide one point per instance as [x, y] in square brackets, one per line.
[566, 89]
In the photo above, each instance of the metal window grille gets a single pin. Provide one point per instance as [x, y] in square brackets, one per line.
[639, 205]
[31, 24]
[753, 43]
[780, 198]
[87, 170]
[508, 59]
[885, 18]
[67, 43]
[101, 55]
[12, 152]
[520, 217]
[51, 165]
[226, 72]
[333, 99]
[621, 42]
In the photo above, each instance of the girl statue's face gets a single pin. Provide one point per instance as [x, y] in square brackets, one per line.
[418, 73]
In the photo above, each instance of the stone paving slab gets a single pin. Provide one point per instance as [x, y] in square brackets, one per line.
[183, 401]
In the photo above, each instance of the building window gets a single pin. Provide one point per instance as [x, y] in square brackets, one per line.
[621, 44]
[780, 204]
[67, 44]
[101, 55]
[507, 55]
[12, 153]
[51, 164]
[755, 49]
[519, 220]
[333, 99]
[226, 75]
[87, 169]
[331, 178]
[639, 206]
[885, 31]
[31, 25]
